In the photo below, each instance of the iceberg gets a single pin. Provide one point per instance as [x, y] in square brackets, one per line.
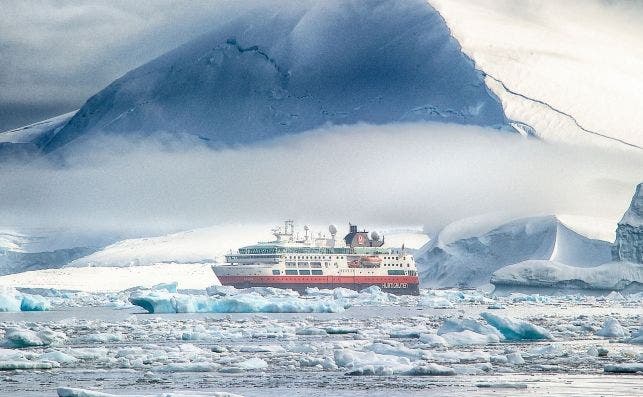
[468, 337]
[612, 329]
[14, 301]
[164, 302]
[467, 324]
[514, 329]
[16, 337]
[467, 252]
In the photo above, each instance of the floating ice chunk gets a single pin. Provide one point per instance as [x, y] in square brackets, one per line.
[253, 363]
[164, 302]
[344, 293]
[404, 332]
[221, 290]
[637, 337]
[502, 385]
[169, 287]
[433, 340]
[515, 358]
[514, 329]
[467, 324]
[19, 337]
[341, 330]
[262, 349]
[468, 337]
[188, 367]
[59, 357]
[435, 302]
[34, 303]
[353, 359]
[103, 337]
[430, 369]
[26, 364]
[393, 348]
[548, 351]
[310, 331]
[73, 392]
[626, 368]
[612, 329]
[10, 300]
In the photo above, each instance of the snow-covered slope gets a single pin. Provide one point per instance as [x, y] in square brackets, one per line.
[207, 245]
[269, 72]
[467, 256]
[33, 249]
[570, 69]
[629, 234]
[26, 141]
[542, 273]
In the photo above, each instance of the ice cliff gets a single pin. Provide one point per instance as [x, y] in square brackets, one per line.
[629, 233]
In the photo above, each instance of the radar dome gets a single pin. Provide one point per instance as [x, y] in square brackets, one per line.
[375, 236]
[332, 229]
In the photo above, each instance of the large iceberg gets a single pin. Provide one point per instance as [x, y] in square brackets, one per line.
[165, 302]
[466, 253]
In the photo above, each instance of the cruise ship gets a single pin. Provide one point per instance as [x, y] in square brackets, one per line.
[300, 261]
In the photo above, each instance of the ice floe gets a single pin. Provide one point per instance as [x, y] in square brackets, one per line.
[514, 329]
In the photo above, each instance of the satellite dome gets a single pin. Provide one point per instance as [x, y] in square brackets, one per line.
[375, 236]
[332, 229]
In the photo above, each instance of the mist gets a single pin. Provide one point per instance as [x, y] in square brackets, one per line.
[404, 174]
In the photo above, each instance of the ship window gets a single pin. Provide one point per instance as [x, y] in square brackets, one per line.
[291, 264]
[317, 272]
[395, 272]
[275, 272]
[304, 272]
[302, 264]
[291, 272]
[315, 264]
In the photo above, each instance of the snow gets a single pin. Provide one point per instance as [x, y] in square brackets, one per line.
[468, 251]
[612, 329]
[515, 329]
[537, 273]
[110, 279]
[38, 133]
[286, 71]
[552, 52]
[164, 302]
[208, 244]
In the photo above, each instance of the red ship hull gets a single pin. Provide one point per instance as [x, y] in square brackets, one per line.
[399, 285]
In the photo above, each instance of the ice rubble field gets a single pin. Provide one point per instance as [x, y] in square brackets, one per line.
[452, 340]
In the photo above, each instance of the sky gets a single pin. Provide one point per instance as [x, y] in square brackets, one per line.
[56, 54]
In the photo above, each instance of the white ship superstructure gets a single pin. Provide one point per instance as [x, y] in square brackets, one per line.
[291, 261]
